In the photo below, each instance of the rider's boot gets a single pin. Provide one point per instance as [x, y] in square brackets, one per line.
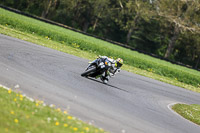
[104, 79]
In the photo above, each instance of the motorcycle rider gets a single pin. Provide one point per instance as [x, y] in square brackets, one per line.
[115, 68]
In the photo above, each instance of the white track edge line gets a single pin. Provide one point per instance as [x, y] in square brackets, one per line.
[29, 98]
[44, 104]
[169, 107]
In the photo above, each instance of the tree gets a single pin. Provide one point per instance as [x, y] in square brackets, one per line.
[181, 16]
[87, 12]
[130, 14]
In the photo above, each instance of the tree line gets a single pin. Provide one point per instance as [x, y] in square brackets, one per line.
[166, 28]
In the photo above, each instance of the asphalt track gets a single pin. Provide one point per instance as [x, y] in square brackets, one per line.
[130, 103]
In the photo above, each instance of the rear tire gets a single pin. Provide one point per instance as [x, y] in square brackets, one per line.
[87, 72]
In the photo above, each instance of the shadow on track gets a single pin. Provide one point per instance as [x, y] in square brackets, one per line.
[107, 84]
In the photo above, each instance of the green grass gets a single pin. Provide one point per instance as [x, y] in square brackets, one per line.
[20, 115]
[190, 112]
[88, 47]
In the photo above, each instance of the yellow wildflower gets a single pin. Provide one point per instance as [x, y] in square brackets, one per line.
[75, 129]
[16, 120]
[65, 112]
[17, 94]
[86, 128]
[9, 91]
[101, 129]
[27, 116]
[69, 117]
[57, 123]
[15, 99]
[65, 125]
[58, 109]
[12, 112]
[38, 101]
[6, 129]
[21, 98]
[36, 104]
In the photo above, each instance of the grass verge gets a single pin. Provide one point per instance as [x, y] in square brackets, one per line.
[88, 47]
[190, 112]
[20, 115]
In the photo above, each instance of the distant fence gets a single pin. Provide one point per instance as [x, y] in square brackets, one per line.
[76, 30]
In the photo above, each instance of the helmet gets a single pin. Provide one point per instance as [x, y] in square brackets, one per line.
[119, 62]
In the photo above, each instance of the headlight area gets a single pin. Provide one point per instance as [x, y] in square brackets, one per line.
[107, 63]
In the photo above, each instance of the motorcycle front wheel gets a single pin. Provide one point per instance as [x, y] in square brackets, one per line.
[88, 72]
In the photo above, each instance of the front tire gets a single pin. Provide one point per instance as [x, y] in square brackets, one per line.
[87, 72]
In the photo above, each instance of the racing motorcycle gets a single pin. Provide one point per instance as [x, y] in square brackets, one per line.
[98, 68]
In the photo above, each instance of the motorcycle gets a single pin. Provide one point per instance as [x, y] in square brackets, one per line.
[98, 68]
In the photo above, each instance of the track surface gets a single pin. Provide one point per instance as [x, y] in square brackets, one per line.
[129, 103]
